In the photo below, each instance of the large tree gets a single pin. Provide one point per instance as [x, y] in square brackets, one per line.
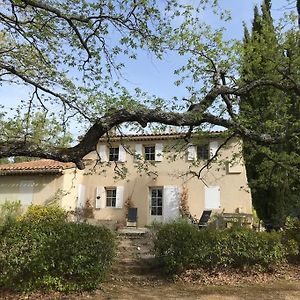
[273, 170]
[69, 52]
[37, 128]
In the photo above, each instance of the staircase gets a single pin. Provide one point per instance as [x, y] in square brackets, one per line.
[134, 261]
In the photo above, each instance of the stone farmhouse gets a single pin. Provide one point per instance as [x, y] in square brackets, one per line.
[159, 174]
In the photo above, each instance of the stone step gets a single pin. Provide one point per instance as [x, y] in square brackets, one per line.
[132, 233]
[134, 258]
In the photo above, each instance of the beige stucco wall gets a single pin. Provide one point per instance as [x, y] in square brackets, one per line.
[69, 185]
[46, 188]
[234, 191]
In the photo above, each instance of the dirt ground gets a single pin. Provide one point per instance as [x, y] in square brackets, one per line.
[280, 290]
[276, 291]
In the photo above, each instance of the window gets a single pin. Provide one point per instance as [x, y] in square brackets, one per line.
[156, 201]
[149, 152]
[113, 154]
[111, 195]
[202, 152]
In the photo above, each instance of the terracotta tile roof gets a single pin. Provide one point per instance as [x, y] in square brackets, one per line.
[41, 166]
[159, 136]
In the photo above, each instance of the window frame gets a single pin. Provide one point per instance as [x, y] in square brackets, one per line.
[115, 155]
[149, 156]
[156, 210]
[202, 152]
[111, 200]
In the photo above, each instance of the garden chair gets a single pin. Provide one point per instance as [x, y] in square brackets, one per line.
[204, 219]
[132, 217]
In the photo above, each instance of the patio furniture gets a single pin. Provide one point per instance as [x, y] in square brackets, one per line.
[204, 219]
[131, 217]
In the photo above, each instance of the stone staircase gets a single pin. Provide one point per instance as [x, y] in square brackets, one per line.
[134, 261]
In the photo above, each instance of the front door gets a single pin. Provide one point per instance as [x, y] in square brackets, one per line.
[156, 204]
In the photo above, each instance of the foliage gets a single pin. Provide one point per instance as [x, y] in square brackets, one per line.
[292, 233]
[41, 251]
[9, 211]
[81, 214]
[44, 214]
[70, 54]
[184, 207]
[36, 127]
[179, 246]
[273, 170]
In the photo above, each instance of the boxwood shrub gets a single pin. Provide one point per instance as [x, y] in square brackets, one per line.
[180, 245]
[48, 253]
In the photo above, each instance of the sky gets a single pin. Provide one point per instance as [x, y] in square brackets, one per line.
[150, 74]
[156, 77]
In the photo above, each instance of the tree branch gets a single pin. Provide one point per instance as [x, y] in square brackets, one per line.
[116, 117]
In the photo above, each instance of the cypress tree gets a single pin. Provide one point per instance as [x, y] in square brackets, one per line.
[272, 170]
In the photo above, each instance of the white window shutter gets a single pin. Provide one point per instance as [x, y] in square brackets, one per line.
[119, 196]
[139, 150]
[212, 197]
[158, 152]
[213, 147]
[192, 152]
[26, 192]
[100, 197]
[122, 153]
[171, 202]
[81, 196]
[103, 152]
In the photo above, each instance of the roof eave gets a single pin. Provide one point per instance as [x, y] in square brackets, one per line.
[27, 172]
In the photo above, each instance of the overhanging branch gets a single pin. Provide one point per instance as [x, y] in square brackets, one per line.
[116, 117]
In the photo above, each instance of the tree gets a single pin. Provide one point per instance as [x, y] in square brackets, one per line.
[39, 128]
[272, 170]
[69, 51]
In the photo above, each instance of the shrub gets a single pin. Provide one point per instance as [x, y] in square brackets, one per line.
[175, 245]
[40, 252]
[180, 245]
[9, 211]
[291, 235]
[41, 214]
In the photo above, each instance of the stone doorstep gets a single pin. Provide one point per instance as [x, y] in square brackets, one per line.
[132, 231]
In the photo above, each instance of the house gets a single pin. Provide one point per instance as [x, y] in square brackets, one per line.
[40, 182]
[156, 173]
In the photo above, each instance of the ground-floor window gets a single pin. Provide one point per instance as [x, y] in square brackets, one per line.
[156, 201]
[111, 195]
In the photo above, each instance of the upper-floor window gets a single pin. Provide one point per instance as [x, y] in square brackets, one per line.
[111, 196]
[114, 154]
[203, 151]
[149, 152]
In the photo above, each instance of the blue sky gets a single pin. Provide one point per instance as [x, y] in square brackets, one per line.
[156, 77]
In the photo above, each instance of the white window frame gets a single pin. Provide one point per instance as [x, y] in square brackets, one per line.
[112, 199]
[160, 198]
[149, 154]
[116, 152]
[204, 151]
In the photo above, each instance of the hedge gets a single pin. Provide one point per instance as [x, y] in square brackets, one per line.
[39, 252]
[180, 245]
